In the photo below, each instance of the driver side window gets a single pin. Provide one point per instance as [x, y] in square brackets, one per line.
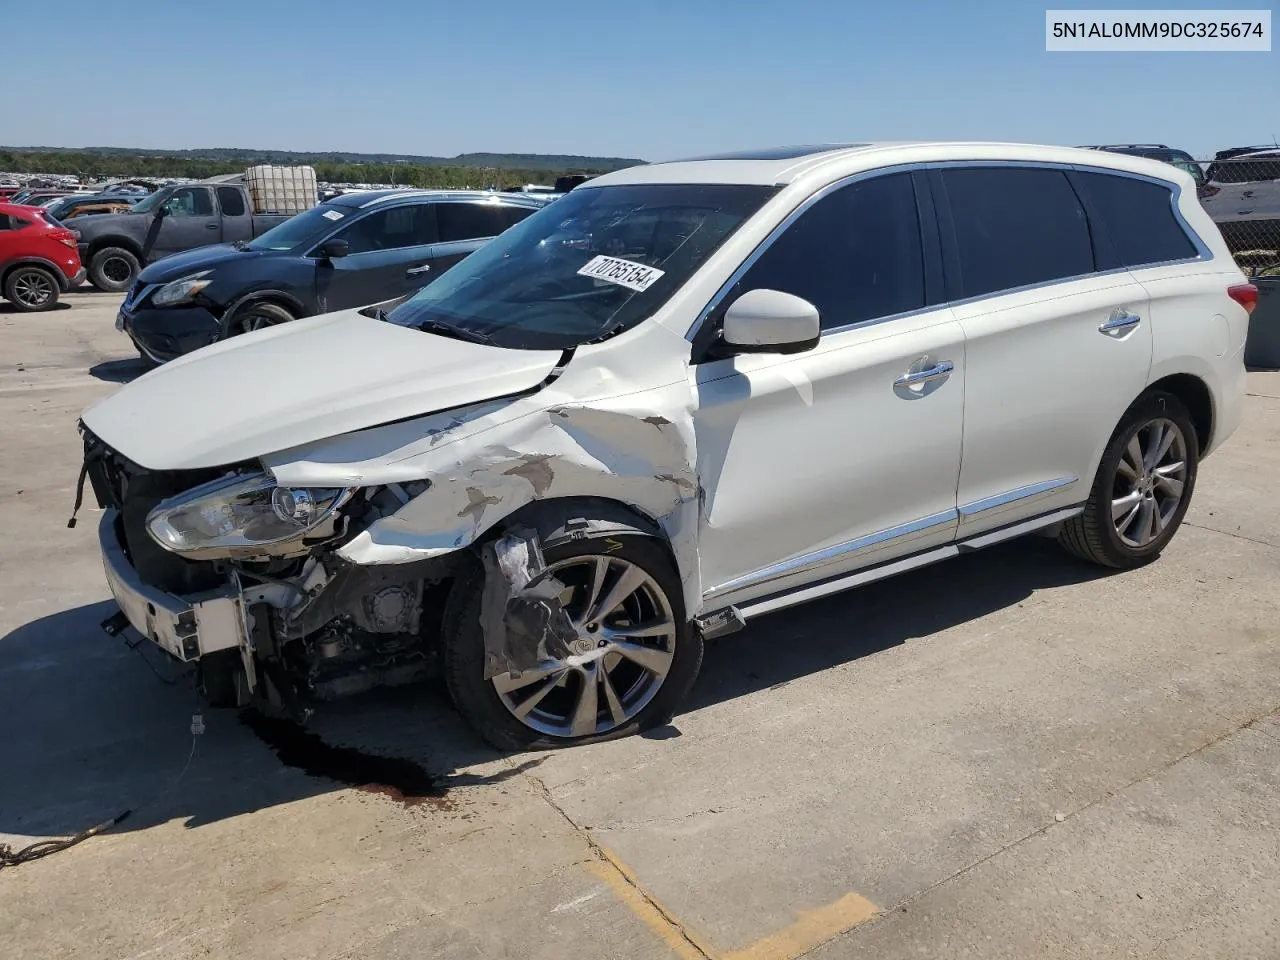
[190, 202]
[856, 254]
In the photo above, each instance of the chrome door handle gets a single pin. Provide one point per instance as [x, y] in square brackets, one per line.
[939, 370]
[1120, 320]
[422, 269]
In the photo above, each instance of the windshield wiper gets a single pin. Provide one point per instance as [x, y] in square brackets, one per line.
[431, 326]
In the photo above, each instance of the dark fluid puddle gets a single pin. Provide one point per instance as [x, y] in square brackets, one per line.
[399, 779]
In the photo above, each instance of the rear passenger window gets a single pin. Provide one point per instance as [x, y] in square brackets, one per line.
[469, 221]
[513, 215]
[409, 225]
[856, 255]
[1016, 226]
[1138, 217]
[231, 201]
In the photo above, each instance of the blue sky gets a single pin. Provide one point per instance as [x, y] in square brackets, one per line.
[652, 80]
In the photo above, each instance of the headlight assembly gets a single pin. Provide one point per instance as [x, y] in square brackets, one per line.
[243, 515]
[182, 289]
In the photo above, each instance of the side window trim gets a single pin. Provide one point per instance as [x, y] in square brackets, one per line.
[700, 331]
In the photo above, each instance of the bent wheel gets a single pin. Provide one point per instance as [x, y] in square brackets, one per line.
[633, 657]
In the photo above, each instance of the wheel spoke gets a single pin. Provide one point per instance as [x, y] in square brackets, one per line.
[1168, 435]
[525, 707]
[1122, 506]
[1133, 452]
[1168, 480]
[656, 661]
[1155, 434]
[1157, 520]
[584, 714]
[654, 628]
[618, 715]
[505, 682]
[1143, 533]
[629, 581]
[599, 570]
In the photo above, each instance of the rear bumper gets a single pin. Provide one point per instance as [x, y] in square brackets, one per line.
[76, 280]
[187, 628]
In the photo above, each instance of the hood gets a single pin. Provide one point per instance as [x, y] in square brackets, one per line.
[193, 261]
[308, 380]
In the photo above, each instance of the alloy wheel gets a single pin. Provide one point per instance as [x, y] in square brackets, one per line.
[1149, 482]
[33, 288]
[623, 650]
[256, 321]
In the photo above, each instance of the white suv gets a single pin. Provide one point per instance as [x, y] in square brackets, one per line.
[680, 397]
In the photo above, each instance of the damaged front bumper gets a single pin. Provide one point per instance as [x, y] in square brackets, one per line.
[187, 628]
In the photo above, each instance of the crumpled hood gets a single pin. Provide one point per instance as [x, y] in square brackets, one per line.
[300, 382]
[193, 261]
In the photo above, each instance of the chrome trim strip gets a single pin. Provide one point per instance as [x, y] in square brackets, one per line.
[446, 196]
[969, 510]
[820, 558]
[1203, 253]
[861, 577]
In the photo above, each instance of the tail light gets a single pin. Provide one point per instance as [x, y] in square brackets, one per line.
[63, 235]
[1245, 294]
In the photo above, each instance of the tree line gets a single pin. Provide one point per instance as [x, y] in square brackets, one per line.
[95, 166]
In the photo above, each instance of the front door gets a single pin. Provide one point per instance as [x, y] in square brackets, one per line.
[389, 255]
[847, 455]
[190, 221]
[1056, 350]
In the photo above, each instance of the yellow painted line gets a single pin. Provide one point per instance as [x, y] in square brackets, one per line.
[639, 902]
[812, 928]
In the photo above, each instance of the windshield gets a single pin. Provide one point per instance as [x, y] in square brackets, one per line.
[150, 203]
[306, 227]
[596, 262]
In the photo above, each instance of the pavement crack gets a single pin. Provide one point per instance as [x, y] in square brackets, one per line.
[607, 861]
[1228, 533]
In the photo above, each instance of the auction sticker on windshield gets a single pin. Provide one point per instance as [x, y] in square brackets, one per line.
[625, 273]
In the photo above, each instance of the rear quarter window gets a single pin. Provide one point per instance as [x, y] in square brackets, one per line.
[1138, 218]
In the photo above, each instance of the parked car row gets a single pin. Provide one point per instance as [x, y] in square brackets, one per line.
[681, 397]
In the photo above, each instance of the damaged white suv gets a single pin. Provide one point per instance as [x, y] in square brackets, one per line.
[680, 397]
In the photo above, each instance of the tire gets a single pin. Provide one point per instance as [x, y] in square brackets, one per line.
[253, 316]
[479, 700]
[107, 269]
[31, 289]
[1136, 504]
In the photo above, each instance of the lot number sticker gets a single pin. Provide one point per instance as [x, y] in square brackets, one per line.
[625, 273]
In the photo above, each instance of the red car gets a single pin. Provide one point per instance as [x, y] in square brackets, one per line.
[38, 258]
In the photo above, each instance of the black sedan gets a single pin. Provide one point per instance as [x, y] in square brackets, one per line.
[357, 249]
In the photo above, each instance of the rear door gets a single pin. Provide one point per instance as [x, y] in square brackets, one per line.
[389, 256]
[466, 226]
[191, 220]
[1058, 344]
[237, 223]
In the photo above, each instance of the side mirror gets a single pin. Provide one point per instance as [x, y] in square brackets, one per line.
[334, 249]
[770, 321]
[162, 210]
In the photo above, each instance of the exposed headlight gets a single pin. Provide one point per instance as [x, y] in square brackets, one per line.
[240, 515]
[182, 289]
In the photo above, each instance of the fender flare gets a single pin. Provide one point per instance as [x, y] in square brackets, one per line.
[35, 261]
[113, 240]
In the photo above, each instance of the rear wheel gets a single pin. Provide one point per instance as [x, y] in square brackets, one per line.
[31, 289]
[1142, 489]
[113, 269]
[633, 661]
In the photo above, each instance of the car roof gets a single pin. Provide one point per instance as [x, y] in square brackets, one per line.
[368, 198]
[781, 166]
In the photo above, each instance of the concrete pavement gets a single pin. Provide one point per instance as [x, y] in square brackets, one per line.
[1007, 755]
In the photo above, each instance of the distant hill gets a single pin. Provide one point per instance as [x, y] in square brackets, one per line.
[238, 155]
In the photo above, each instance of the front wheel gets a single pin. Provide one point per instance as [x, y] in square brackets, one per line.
[31, 289]
[1142, 489]
[254, 316]
[632, 659]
